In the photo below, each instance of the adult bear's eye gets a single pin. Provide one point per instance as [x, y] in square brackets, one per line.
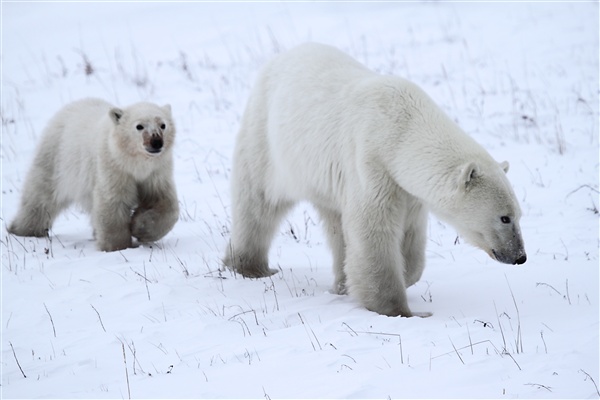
[139, 127]
[162, 126]
[505, 219]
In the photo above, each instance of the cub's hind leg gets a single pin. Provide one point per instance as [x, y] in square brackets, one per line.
[39, 201]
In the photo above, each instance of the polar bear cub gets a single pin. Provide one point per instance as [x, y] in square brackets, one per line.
[116, 164]
[373, 154]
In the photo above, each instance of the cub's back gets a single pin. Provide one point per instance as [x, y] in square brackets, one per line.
[76, 134]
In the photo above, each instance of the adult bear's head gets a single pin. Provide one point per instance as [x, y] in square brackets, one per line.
[485, 211]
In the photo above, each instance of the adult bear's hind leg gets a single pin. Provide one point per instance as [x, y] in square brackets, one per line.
[332, 222]
[253, 228]
[256, 209]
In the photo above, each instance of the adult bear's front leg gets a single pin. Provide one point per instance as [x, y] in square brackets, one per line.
[374, 263]
[414, 241]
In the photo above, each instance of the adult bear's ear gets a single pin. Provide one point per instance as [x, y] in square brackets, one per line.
[504, 165]
[167, 108]
[115, 115]
[468, 174]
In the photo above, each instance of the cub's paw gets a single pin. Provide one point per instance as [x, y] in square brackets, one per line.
[114, 243]
[144, 225]
[18, 230]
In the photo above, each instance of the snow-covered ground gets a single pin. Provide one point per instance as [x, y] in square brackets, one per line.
[164, 321]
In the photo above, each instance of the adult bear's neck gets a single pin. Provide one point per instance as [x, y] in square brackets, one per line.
[427, 151]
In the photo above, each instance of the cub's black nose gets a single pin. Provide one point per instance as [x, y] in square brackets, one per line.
[156, 143]
[521, 260]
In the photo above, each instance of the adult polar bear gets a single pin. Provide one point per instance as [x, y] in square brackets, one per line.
[372, 153]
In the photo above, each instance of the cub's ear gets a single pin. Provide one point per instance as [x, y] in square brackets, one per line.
[505, 166]
[115, 114]
[468, 173]
[167, 108]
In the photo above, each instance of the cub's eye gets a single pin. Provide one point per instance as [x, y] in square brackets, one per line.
[505, 219]
[162, 126]
[139, 127]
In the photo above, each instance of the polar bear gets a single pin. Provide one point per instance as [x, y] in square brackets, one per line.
[116, 164]
[373, 154]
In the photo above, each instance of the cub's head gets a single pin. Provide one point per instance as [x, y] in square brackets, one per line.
[485, 211]
[143, 129]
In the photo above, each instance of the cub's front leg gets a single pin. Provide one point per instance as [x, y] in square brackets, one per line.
[156, 214]
[111, 212]
[111, 226]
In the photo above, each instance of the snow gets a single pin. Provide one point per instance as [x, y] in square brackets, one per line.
[164, 321]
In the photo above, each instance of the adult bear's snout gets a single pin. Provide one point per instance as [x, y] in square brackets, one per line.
[521, 260]
[507, 258]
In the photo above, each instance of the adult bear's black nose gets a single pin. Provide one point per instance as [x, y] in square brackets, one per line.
[521, 260]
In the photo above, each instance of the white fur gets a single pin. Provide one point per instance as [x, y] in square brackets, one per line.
[93, 154]
[372, 153]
